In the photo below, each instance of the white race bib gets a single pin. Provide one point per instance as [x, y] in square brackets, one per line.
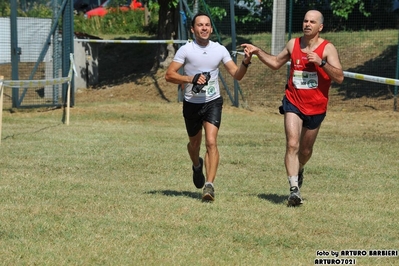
[208, 90]
[305, 80]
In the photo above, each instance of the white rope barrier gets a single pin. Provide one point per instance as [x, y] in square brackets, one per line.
[41, 82]
[371, 78]
[34, 83]
[132, 41]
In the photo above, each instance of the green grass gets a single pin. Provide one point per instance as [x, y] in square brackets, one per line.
[114, 188]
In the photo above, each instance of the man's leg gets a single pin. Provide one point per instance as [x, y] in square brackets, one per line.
[293, 128]
[307, 142]
[211, 160]
[212, 152]
[193, 148]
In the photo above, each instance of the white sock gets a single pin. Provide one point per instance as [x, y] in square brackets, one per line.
[208, 183]
[293, 180]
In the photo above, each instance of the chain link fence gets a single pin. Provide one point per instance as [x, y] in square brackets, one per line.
[367, 45]
[36, 48]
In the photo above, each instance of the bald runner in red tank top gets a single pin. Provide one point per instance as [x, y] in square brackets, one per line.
[309, 84]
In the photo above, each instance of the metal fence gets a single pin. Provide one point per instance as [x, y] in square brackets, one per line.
[34, 48]
[368, 52]
[368, 56]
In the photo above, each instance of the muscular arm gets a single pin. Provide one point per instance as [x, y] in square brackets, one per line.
[272, 61]
[172, 75]
[333, 66]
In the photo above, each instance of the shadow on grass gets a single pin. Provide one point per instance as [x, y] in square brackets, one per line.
[28, 132]
[273, 198]
[174, 193]
[382, 66]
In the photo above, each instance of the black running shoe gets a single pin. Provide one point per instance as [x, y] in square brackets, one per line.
[295, 198]
[208, 193]
[198, 176]
[300, 178]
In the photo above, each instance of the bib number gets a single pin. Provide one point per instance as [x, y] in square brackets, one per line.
[208, 90]
[305, 80]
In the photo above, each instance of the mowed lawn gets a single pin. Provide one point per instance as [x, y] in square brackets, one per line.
[114, 188]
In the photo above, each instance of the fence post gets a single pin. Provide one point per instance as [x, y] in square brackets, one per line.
[395, 96]
[15, 51]
[1, 104]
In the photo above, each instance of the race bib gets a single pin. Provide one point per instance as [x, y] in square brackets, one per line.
[305, 80]
[207, 90]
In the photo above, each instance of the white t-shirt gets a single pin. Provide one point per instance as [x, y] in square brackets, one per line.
[198, 59]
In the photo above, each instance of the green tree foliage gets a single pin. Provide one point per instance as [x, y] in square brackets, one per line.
[27, 8]
[39, 11]
[339, 15]
[113, 23]
[347, 14]
[342, 8]
[5, 9]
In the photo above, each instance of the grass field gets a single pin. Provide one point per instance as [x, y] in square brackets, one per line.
[114, 188]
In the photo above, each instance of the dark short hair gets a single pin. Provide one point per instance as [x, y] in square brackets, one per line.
[198, 15]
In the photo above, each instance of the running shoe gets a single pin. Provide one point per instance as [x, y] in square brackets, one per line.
[208, 193]
[295, 198]
[198, 176]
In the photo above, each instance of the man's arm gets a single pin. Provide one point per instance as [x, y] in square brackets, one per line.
[238, 72]
[272, 61]
[333, 66]
[172, 75]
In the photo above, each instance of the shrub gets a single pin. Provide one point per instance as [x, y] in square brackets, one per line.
[112, 23]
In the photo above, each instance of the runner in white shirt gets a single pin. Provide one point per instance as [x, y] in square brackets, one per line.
[200, 59]
[202, 108]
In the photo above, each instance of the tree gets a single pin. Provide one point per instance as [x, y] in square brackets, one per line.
[343, 8]
[167, 30]
[338, 14]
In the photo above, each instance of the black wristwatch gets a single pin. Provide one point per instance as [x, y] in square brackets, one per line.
[246, 65]
[323, 63]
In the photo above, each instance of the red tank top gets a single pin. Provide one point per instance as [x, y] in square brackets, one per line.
[308, 84]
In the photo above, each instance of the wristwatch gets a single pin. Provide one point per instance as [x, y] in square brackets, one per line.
[323, 63]
[246, 65]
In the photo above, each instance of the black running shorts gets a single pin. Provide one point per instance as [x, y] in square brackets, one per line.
[196, 113]
[309, 121]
